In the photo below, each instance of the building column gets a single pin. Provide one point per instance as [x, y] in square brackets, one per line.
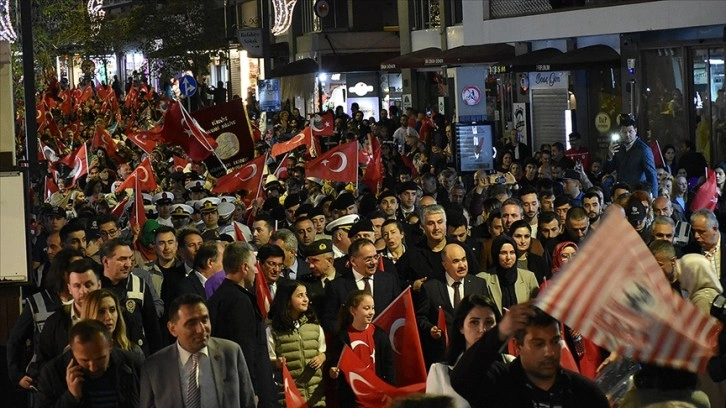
[7, 114]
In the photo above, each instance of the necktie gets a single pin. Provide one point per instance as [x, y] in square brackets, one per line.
[194, 394]
[457, 295]
[367, 285]
[325, 282]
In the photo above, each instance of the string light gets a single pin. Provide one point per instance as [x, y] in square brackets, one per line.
[283, 15]
[7, 33]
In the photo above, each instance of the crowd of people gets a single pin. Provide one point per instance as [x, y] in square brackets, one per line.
[169, 313]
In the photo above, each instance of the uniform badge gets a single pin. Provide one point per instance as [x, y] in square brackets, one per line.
[130, 306]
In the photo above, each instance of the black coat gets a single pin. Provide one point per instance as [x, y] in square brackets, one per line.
[484, 381]
[316, 292]
[434, 294]
[192, 284]
[235, 316]
[386, 287]
[53, 390]
[420, 261]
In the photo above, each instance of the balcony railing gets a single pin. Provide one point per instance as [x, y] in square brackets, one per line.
[516, 8]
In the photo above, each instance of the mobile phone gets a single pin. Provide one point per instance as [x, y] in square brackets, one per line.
[615, 138]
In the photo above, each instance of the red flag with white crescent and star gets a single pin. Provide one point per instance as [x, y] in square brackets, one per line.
[145, 139]
[371, 391]
[398, 320]
[305, 137]
[281, 172]
[322, 124]
[248, 177]
[183, 130]
[102, 138]
[80, 163]
[145, 176]
[179, 163]
[337, 164]
[707, 194]
[262, 292]
[293, 398]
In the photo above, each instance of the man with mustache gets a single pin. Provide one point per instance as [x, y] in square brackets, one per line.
[446, 294]
[534, 378]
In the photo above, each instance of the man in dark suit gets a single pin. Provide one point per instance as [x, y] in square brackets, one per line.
[363, 275]
[197, 370]
[363, 229]
[207, 262]
[272, 261]
[446, 295]
[235, 316]
[295, 265]
[320, 258]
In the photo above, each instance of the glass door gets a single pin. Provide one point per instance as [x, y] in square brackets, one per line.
[708, 106]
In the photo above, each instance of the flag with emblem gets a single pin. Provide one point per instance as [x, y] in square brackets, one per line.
[293, 398]
[183, 130]
[80, 163]
[322, 124]
[145, 139]
[615, 294]
[102, 138]
[144, 174]
[370, 391]
[305, 137]
[247, 177]
[441, 324]
[337, 164]
[707, 194]
[131, 97]
[398, 320]
[50, 187]
[281, 172]
[262, 292]
[179, 163]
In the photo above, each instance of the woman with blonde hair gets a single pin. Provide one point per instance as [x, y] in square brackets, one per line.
[103, 305]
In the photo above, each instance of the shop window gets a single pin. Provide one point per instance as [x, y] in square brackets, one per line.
[662, 97]
[709, 103]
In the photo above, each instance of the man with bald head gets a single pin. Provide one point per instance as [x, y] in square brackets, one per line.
[662, 206]
[445, 294]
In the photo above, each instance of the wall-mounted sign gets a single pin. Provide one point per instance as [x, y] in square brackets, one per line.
[471, 95]
[498, 69]
[602, 122]
[406, 101]
[268, 91]
[361, 89]
[548, 80]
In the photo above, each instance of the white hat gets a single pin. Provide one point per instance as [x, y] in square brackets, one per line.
[227, 199]
[195, 186]
[148, 199]
[163, 198]
[225, 209]
[181, 210]
[209, 204]
[315, 180]
[344, 222]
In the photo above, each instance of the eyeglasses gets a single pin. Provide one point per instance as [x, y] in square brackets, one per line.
[373, 258]
[109, 233]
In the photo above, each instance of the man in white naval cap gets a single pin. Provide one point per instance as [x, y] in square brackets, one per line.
[210, 217]
[181, 215]
[163, 202]
[338, 230]
[227, 225]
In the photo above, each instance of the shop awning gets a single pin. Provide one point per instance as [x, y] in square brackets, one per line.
[417, 59]
[526, 62]
[477, 54]
[352, 62]
[583, 58]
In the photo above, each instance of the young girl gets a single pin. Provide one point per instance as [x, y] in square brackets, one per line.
[103, 305]
[296, 339]
[372, 345]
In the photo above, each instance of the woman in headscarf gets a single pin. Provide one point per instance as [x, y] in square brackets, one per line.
[508, 284]
[521, 232]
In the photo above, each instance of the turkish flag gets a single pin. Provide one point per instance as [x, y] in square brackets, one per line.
[262, 292]
[248, 177]
[118, 210]
[179, 163]
[398, 320]
[369, 390]
[373, 176]
[101, 138]
[409, 164]
[145, 139]
[40, 117]
[80, 163]
[281, 172]
[144, 174]
[183, 130]
[303, 138]
[337, 164]
[85, 94]
[238, 235]
[50, 187]
[322, 125]
[67, 104]
[707, 194]
[441, 324]
[131, 97]
[138, 212]
[293, 398]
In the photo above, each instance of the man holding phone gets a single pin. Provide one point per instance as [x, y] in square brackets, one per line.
[631, 157]
[92, 373]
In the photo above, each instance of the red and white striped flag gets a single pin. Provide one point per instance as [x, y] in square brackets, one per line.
[615, 293]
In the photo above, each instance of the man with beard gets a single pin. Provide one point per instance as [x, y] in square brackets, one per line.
[592, 204]
[530, 204]
[534, 378]
[262, 230]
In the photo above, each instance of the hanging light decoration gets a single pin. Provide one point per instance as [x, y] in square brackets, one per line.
[96, 14]
[283, 15]
[7, 33]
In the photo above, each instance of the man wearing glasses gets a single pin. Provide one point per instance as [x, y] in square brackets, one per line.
[363, 275]
[631, 157]
[271, 258]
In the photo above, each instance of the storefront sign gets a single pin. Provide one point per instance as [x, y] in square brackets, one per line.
[548, 80]
[498, 69]
[251, 41]
[603, 123]
[361, 89]
[406, 101]
[433, 61]
[269, 94]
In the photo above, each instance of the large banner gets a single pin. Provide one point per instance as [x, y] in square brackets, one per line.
[229, 125]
